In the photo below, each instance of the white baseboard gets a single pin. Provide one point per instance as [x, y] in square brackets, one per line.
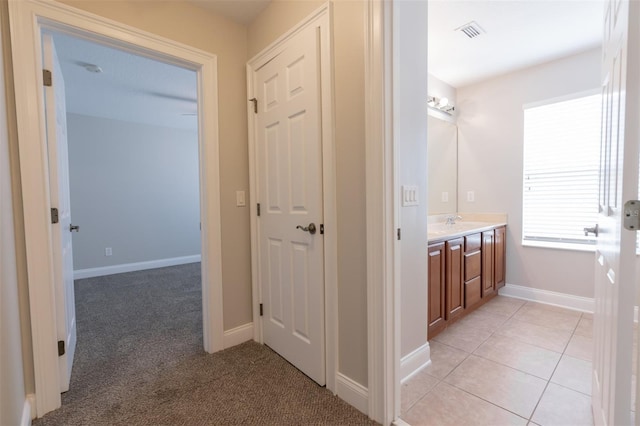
[400, 422]
[352, 392]
[28, 410]
[131, 267]
[569, 301]
[237, 335]
[412, 363]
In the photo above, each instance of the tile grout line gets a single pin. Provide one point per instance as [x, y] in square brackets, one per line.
[546, 386]
[491, 334]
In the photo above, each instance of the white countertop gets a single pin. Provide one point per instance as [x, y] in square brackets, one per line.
[438, 230]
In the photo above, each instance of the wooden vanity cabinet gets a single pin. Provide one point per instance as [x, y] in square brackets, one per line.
[445, 286]
[463, 274]
[436, 289]
[500, 254]
[488, 267]
[454, 257]
[472, 270]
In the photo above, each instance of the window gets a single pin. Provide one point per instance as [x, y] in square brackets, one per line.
[561, 161]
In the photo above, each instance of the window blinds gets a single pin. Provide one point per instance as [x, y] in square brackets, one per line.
[561, 161]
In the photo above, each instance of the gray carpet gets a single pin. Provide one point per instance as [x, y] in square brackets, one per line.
[139, 361]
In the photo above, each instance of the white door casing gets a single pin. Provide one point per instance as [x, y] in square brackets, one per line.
[289, 171]
[615, 281]
[28, 18]
[301, 97]
[57, 148]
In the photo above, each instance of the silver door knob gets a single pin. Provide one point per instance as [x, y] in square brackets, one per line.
[74, 228]
[310, 229]
[593, 231]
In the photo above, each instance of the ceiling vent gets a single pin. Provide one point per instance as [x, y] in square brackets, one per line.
[471, 30]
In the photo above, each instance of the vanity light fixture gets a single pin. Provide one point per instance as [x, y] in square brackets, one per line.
[441, 104]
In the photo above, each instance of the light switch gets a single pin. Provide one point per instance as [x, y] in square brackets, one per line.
[240, 200]
[410, 195]
[445, 197]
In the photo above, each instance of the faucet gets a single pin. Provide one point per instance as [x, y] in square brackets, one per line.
[451, 220]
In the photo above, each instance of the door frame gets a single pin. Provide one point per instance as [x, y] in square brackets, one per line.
[28, 18]
[383, 212]
[322, 19]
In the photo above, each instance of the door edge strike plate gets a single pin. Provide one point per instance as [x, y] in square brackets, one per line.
[631, 218]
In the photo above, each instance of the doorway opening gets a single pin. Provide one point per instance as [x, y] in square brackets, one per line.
[133, 189]
[28, 21]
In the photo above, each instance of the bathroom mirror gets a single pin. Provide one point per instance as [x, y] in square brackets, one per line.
[442, 157]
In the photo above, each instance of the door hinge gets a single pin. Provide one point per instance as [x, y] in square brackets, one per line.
[261, 311]
[54, 215]
[631, 217]
[47, 79]
[399, 234]
[61, 350]
[321, 228]
[255, 105]
[258, 209]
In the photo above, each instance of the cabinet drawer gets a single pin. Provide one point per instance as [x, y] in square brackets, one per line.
[471, 292]
[472, 264]
[472, 243]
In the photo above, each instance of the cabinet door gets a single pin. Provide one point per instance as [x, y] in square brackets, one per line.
[436, 289]
[488, 274]
[500, 257]
[454, 260]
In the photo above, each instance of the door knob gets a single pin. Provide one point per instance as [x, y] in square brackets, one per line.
[310, 229]
[593, 231]
[74, 228]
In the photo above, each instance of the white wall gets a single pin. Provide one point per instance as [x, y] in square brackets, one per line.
[410, 133]
[490, 147]
[12, 388]
[134, 188]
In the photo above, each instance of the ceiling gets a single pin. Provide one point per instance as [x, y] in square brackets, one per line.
[129, 88]
[518, 34]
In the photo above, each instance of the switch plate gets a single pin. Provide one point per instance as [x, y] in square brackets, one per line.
[240, 199]
[410, 195]
[445, 197]
[108, 251]
[471, 196]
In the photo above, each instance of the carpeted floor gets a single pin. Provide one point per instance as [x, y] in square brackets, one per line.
[139, 361]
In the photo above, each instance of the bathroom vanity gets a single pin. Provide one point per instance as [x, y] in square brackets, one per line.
[466, 263]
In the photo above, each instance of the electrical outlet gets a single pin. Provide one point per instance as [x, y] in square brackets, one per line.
[108, 251]
[445, 197]
[471, 196]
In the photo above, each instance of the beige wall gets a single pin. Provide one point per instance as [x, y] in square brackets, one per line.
[348, 35]
[209, 32]
[228, 40]
[490, 144]
[12, 389]
[234, 44]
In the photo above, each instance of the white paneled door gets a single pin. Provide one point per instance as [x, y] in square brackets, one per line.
[56, 118]
[289, 190]
[615, 280]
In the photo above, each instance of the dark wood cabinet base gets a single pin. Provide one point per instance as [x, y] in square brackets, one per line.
[464, 274]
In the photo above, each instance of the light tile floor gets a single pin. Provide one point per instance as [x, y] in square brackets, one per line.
[510, 362]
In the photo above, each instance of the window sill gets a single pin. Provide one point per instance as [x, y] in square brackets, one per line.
[560, 246]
